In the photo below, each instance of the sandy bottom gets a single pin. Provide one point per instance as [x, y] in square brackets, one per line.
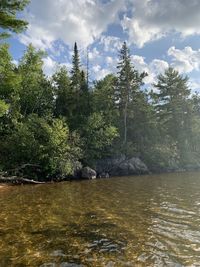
[3, 186]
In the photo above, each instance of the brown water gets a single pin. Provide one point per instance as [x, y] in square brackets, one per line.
[129, 221]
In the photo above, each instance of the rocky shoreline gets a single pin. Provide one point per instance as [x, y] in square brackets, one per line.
[105, 168]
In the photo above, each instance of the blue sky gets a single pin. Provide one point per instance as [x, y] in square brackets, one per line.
[159, 33]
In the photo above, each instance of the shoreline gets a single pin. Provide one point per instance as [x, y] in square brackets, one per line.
[19, 181]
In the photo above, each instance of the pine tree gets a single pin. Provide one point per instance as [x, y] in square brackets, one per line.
[173, 107]
[8, 20]
[63, 93]
[76, 72]
[129, 82]
[80, 95]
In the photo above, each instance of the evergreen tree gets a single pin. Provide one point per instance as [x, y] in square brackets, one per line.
[80, 95]
[76, 72]
[173, 108]
[104, 99]
[63, 93]
[129, 82]
[8, 19]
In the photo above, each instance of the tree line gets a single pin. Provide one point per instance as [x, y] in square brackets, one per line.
[59, 123]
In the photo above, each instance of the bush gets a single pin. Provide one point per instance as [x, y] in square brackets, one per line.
[45, 144]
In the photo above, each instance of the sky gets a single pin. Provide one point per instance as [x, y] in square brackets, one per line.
[159, 34]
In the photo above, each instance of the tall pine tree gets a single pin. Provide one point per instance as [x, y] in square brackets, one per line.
[80, 109]
[173, 108]
[75, 71]
[129, 82]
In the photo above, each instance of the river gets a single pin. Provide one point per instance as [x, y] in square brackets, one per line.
[149, 220]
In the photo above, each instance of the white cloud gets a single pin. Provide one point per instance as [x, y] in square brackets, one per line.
[39, 37]
[154, 68]
[15, 62]
[100, 72]
[78, 20]
[158, 66]
[185, 60]
[110, 60]
[153, 19]
[96, 68]
[94, 54]
[111, 43]
[49, 66]
[194, 84]
[139, 33]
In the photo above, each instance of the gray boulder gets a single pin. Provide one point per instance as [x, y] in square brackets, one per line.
[122, 166]
[88, 173]
[139, 165]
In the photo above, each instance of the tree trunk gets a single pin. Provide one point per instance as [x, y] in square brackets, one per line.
[125, 124]
[14, 180]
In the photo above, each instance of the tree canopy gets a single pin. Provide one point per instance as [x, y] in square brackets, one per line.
[58, 123]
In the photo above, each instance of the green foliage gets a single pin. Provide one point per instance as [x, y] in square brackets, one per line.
[173, 108]
[56, 123]
[9, 79]
[99, 137]
[39, 142]
[63, 93]
[9, 91]
[129, 82]
[162, 155]
[76, 72]
[36, 95]
[104, 99]
[3, 108]
[8, 19]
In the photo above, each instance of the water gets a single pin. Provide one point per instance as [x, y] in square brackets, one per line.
[125, 221]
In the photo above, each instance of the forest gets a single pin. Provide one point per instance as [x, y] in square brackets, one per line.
[58, 124]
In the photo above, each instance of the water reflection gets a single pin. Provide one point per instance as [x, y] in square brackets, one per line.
[129, 221]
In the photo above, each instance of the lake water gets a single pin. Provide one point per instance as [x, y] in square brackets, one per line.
[127, 221]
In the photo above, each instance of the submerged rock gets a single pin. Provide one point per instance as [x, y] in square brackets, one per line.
[88, 173]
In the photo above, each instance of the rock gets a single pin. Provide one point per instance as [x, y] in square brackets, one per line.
[122, 166]
[139, 165]
[57, 253]
[49, 264]
[68, 264]
[104, 175]
[88, 173]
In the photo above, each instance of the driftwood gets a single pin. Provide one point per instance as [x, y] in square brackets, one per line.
[16, 177]
[21, 168]
[18, 180]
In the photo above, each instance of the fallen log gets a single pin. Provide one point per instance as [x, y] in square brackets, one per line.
[14, 180]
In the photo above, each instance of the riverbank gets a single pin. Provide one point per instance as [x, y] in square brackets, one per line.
[9, 181]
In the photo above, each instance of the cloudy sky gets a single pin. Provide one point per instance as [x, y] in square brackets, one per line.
[159, 33]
